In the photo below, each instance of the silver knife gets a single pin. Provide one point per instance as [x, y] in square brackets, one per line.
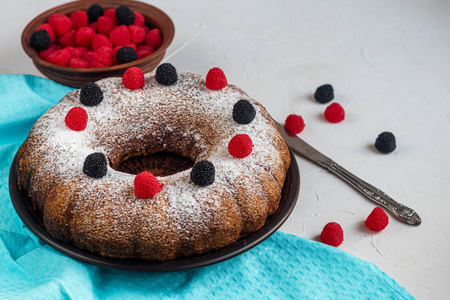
[402, 212]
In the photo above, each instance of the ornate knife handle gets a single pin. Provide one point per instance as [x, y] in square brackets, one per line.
[403, 212]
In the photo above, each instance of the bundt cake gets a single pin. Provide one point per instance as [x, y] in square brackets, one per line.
[67, 165]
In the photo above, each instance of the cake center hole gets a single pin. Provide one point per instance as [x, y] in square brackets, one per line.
[159, 164]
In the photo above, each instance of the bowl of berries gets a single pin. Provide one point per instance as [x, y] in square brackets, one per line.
[89, 40]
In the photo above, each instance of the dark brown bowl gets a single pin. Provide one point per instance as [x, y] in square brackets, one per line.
[76, 77]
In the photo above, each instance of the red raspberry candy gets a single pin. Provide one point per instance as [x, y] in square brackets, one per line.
[76, 119]
[153, 38]
[93, 25]
[139, 20]
[147, 30]
[332, 234]
[59, 57]
[78, 63]
[294, 123]
[104, 56]
[68, 39]
[240, 146]
[84, 36]
[79, 19]
[100, 41]
[88, 56]
[133, 78]
[77, 52]
[334, 113]
[111, 13]
[120, 35]
[143, 51]
[137, 34]
[146, 185]
[105, 25]
[45, 53]
[131, 45]
[60, 23]
[215, 79]
[56, 47]
[96, 64]
[49, 29]
[377, 220]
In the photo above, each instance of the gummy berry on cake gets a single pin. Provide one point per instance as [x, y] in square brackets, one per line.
[91, 94]
[94, 12]
[215, 79]
[76, 119]
[324, 93]
[334, 113]
[124, 15]
[95, 165]
[240, 146]
[133, 78]
[166, 74]
[377, 220]
[40, 40]
[332, 234]
[125, 55]
[146, 185]
[203, 173]
[243, 112]
[294, 123]
[385, 142]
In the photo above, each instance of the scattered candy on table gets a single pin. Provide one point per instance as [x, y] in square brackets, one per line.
[324, 93]
[334, 113]
[294, 123]
[377, 220]
[385, 142]
[332, 234]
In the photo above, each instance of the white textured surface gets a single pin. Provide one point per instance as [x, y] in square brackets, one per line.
[389, 64]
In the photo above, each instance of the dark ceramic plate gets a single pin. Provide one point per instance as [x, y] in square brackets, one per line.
[33, 220]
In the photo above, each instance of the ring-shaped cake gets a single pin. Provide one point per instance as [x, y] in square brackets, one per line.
[101, 211]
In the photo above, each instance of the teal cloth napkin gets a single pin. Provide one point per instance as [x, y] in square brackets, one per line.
[283, 266]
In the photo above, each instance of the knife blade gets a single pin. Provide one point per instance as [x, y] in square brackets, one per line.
[402, 212]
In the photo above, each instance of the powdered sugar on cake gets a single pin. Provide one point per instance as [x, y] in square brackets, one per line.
[185, 118]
